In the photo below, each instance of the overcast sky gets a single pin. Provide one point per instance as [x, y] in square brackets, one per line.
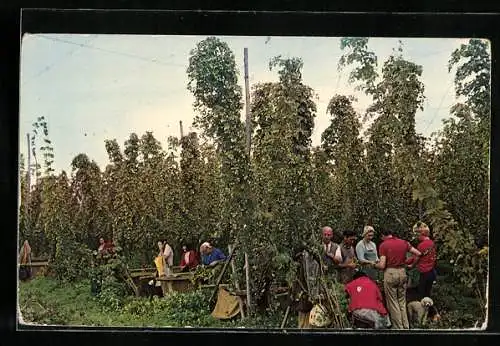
[96, 87]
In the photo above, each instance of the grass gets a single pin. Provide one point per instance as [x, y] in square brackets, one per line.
[44, 300]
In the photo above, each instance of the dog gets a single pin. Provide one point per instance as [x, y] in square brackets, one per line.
[418, 311]
[148, 289]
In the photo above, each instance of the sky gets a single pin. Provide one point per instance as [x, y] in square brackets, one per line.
[91, 88]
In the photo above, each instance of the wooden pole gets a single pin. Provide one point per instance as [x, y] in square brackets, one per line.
[247, 106]
[249, 143]
[283, 323]
[182, 132]
[28, 173]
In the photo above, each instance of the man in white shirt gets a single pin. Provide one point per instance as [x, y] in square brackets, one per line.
[329, 247]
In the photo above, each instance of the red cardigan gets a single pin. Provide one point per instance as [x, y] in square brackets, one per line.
[192, 259]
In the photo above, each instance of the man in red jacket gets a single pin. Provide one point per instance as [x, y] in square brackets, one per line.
[365, 301]
[426, 264]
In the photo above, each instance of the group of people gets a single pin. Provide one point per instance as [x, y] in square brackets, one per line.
[190, 259]
[374, 277]
[364, 269]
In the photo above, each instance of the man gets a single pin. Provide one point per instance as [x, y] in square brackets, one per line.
[346, 257]
[329, 247]
[366, 251]
[392, 260]
[211, 256]
[426, 264]
[365, 301]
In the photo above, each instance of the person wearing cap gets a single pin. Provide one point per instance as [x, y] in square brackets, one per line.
[329, 247]
[366, 251]
[345, 256]
[211, 256]
[393, 252]
[426, 264]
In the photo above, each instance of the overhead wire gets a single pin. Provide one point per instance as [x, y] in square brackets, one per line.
[53, 64]
[129, 55]
[439, 107]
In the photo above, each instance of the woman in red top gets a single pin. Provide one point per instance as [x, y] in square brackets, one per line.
[426, 264]
[189, 258]
[365, 301]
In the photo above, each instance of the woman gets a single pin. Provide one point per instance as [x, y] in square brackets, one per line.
[425, 264]
[189, 258]
[102, 246]
[165, 259]
[163, 262]
[25, 261]
[366, 251]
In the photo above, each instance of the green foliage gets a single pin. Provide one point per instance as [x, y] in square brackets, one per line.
[212, 78]
[358, 52]
[473, 60]
[283, 116]
[343, 150]
[213, 81]
[274, 197]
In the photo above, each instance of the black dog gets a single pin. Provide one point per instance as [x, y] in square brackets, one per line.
[150, 290]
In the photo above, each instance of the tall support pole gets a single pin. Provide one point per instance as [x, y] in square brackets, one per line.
[248, 142]
[182, 132]
[247, 103]
[236, 283]
[28, 174]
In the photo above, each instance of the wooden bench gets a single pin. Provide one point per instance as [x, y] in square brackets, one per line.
[36, 267]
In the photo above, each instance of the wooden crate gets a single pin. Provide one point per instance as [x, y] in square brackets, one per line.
[179, 282]
[37, 267]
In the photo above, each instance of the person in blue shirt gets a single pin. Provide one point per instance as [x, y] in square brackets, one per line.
[211, 256]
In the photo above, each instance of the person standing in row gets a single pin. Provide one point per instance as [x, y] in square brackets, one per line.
[426, 264]
[366, 250]
[346, 257]
[329, 248]
[164, 261]
[189, 258]
[392, 260]
[168, 255]
[25, 261]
